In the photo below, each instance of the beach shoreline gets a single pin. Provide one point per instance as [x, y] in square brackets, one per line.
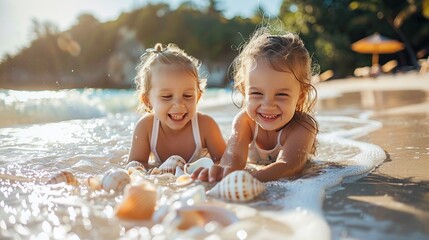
[395, 193]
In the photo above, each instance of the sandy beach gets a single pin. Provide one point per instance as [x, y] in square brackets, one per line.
[392, 202]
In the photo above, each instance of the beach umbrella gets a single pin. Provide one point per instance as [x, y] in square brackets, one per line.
[377, 44]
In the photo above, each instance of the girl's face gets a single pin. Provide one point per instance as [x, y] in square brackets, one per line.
[271, 96]
[173, 96]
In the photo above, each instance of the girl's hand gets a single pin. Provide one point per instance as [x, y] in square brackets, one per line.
[214, 174]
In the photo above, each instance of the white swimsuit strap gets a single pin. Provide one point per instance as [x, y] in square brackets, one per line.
[255, 133]
[279, 137]
[154, 138]
[197, 137]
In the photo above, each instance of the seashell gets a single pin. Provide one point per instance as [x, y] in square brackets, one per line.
[63, 177]
[154, 171]
[169, 165]
[194, 195]
[237, 186]
[164, 179]
[179, 172]
[138, 176]
[204, 162]
[200, 214]
[115, 179]
[135, 165]
[94, 182]
[184, 180]
[138, 203]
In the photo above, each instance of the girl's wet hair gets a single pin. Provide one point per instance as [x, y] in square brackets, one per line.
[283, 53]
[169, 55]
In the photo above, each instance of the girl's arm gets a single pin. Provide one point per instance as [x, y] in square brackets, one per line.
[235, 155]
[294, 155]
[140, 143]
[236, 152]
[211, 136]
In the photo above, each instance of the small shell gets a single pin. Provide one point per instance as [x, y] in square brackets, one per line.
[169, 166]
[154, 171]
[204, 162]
[237, 186]
[201, 214]
[184, 180]
[135, 165]
[64, 177]
[179, 172]
[138, 203]
[115, 179]
[94, 182]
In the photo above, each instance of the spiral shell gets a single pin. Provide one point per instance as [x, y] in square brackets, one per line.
[63, 177]
[204, 162]
[135, 166]
[169, 166]
[138, 203]
[237, 186]
[184, 180]
[115, 179]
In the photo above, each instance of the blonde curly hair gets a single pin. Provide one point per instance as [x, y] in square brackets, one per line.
[169, 55]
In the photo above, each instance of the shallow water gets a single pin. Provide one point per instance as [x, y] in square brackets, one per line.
[88, 132]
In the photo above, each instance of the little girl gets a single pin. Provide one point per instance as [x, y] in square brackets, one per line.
[276, 128]
[169, 89]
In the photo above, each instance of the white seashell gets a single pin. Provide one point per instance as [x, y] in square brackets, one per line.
[169, 165]
[115, 179]
[63, 177]
[237, 186]
[179, 172]
[94, 182]
[204, 162]
[154, 171]
[138, 203]
[184, 180]
[200, 214]
[134, 166]
[194, 195]
[138, 176]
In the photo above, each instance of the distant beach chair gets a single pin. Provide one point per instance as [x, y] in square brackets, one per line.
[424, 65]
[362, 72]
[326, 75]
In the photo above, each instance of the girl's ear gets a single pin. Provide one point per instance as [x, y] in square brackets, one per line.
[145, 100]
[199, 94]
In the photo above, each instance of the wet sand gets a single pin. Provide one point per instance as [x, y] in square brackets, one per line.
[392, 202]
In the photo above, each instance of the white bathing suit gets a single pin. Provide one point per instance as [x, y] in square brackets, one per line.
[261, 156]
[199, 150]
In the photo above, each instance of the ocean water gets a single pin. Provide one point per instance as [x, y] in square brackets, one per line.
[88, 132]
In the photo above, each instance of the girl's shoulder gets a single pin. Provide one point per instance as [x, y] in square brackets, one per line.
[146, 121]
[205, 121]
[303, 120]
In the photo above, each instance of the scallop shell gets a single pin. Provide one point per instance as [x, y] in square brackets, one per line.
[63, 177]
[138, 203]
[94, 182]
[237, 186]
[134, 166]
[204, 162]
[115, 179]
[169, 165]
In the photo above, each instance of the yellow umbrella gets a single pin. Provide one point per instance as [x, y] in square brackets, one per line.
[377, 44]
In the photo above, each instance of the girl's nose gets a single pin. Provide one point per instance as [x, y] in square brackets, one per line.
[268, 103]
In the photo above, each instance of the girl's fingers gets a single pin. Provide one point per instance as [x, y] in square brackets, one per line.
[197, 171]
[215, 173]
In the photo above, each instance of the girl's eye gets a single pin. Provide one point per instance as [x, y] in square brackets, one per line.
[188, 96]
[282, 94]
[166, 97]
[255, 93]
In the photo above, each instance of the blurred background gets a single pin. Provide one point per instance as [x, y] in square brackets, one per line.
[48, 44]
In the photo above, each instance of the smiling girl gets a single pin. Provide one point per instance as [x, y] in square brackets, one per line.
[275, 128]
[169, 89]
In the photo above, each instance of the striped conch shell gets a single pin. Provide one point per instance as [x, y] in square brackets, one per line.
[237, 186]
[138, 203]
[169, 165]
[204, 162]
[133, 166]
[115, 179]
[63, 177]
